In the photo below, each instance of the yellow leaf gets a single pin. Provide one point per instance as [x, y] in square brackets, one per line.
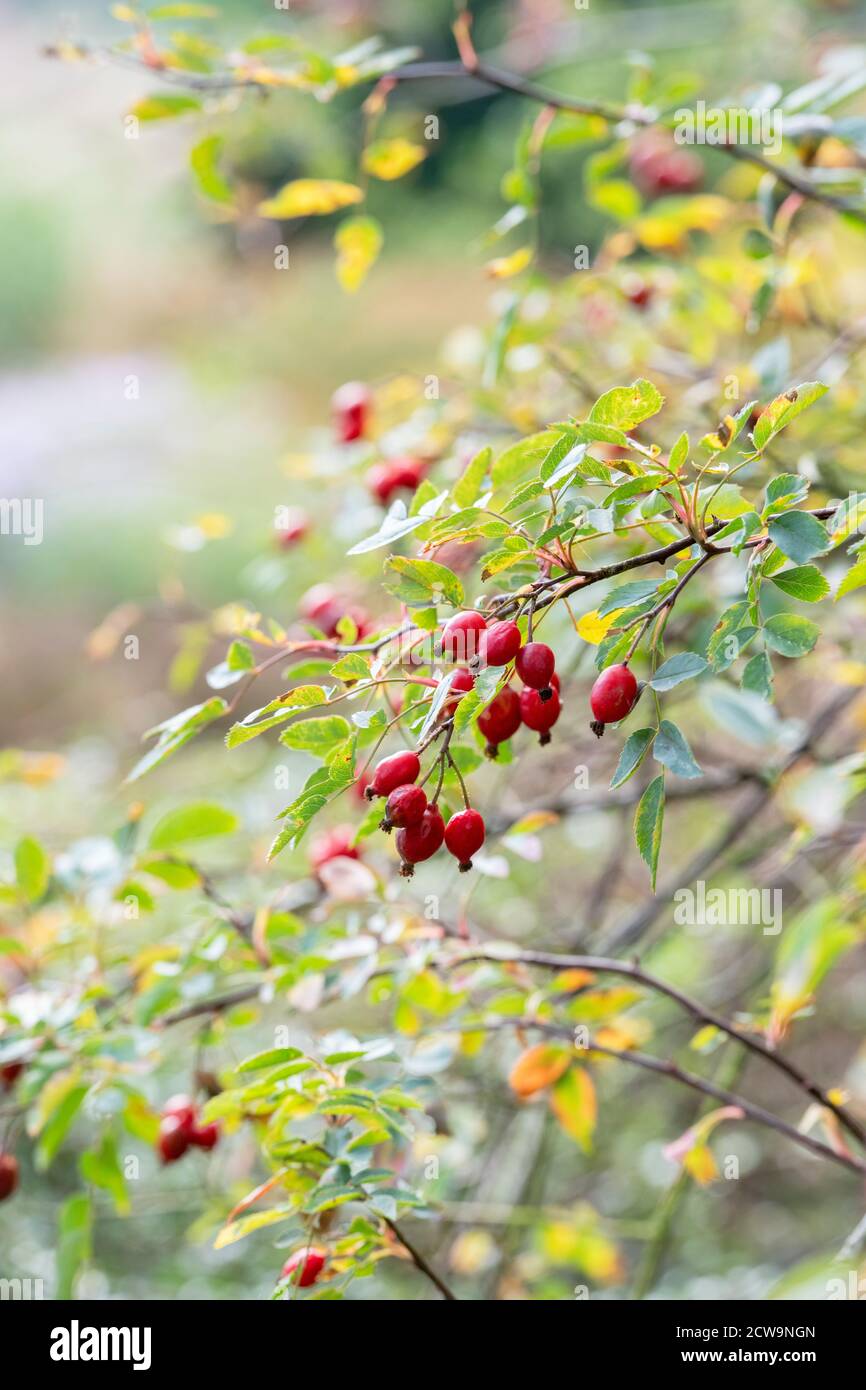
[701, 1165]
[538, 1067]
[594, 629]
[214, 525]
[505, 266]
[569, 981]
[358, 242]
[391, 159]
[573, 1102]
[310, 198]
[236, 1230]
[125, 13]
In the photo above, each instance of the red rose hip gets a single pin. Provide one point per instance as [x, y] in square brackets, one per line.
[500, 720]
[9, 1074]
[405, 806]
[461, 639]
[8, 1175]
[500, 644]
[350, 404]
[394, 771]
[418, 842]
[535, 666]
[205, 1136]
[540, 714]
[182, 1109]
[173, 1139]
[334, 844]
[304, 1267]
[464, 836]
[612, 697]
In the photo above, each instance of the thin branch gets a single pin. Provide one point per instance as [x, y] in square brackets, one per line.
[660, 1067]
[418, 1259]
[631, 970]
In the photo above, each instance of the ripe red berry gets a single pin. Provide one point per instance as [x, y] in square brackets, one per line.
[10, 1073]
[612, 696]
[460, 636]
[535, 665]
[539, 714]
[393, 771]
[418, 842]
[293, 527]
[461, 682]
[182, 1109]
[8, 1175]
[205, 1136]
[464, 836]
[173, 1139]
[309, 1262]
[324, 606]
[500, 719]
[393, 476]
[500, 643]
[350, 404]
[405, 806]
[333, 844]
[637, 291]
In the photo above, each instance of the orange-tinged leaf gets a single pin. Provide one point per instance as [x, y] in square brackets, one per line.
[538, 1067]
[310, 198]
[252, 1197]
[573, 1102]
[700, 1164]
[569, 981]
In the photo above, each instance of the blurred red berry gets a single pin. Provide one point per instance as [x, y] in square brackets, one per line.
[333, 844]
[309, 1263]
[350, 405]
[205, 1136]
[500, 720]
[8, 1175]
[173, 1139]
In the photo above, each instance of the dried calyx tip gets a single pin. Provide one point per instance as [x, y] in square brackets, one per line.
[465, 867]
[406, 869]
[386, 825]
[597, 727]
[546, 694]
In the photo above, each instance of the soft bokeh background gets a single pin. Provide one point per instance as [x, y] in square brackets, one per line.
[112, 270]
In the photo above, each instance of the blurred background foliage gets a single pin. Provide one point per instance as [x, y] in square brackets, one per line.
[112, 271]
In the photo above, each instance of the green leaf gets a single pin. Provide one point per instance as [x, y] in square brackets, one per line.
[725, 642]
[469, 485]
[31, 868]
[272, 1057]
[523, 456]
[627, 594]
[177, 731]
[854, 579]
[352, 667]
[64, 1105]
[799, 536]
[790, 635]
[102, 1167]
[420, 583]
[624, 407]
[276, 712]
[648, 822]
[784, 409]
[317, 736]
[164, 106]
[682, 667]
[784, 492]
[679, 454]
[73, 1243]
[758, 676]
[198, 820]
[805, 583]
[204, 162]
[397, 524]
[633, 753]
[239, 657]
[671, 749]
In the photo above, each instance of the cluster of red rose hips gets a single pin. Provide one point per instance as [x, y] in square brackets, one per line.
[179, 1128]
[421, 831]
[351, 405]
